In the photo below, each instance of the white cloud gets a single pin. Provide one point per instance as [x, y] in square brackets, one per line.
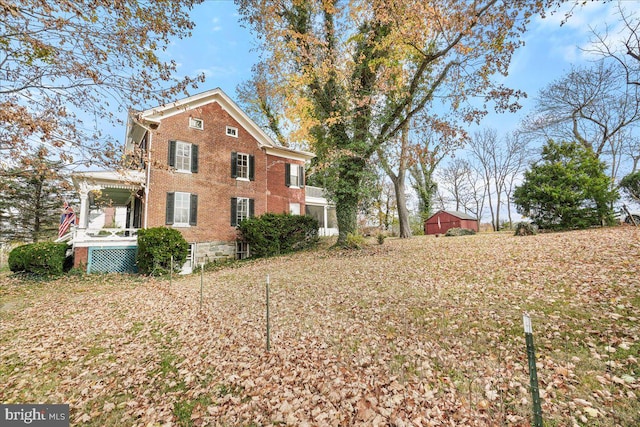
[216, 25]
[571, 37]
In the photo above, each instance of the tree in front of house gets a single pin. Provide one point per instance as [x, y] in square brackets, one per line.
[31, 198]
[354, 74]
[567, 189]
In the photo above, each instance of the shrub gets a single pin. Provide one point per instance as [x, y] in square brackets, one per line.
[42, 258]
[381, 237]
[459, 232]
[525, 229]
[155, 248]
[274, 234]
[355, 241]
[567, 189]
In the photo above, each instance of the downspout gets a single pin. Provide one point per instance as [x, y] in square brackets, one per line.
[266, 180]
[148, 180]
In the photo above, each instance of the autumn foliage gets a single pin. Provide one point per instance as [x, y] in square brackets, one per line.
[69, 70]
[351, 75]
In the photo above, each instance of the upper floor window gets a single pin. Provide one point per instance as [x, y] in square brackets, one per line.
[241, 208]
[196, 123]
[183, 156]
[231, 131]
[294, 175]
[242, 166]
[182, 209]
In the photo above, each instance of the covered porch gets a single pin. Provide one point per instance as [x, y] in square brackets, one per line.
[317, 206]
[105, 236]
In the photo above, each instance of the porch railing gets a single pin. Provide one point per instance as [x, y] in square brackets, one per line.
[105, 235]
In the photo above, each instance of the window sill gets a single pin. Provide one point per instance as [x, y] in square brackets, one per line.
[180, 225]
[188, 172]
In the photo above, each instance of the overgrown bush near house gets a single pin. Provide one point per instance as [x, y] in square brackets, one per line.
[155, 248]
[525, 229]
[459, 232]
[42, 258]
[274, 234]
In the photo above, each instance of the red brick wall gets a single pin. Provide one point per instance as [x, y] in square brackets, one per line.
[213, 183]
[80, 257]
[279, 194]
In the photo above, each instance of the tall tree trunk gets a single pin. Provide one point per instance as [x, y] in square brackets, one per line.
[347, 198]
[403, 212]
[398, 181]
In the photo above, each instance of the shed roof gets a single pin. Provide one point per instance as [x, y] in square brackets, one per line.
[457, 214]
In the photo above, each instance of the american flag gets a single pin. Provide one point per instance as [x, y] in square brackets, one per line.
[67, 218]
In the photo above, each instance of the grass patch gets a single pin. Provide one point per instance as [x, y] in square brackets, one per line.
[183, 409]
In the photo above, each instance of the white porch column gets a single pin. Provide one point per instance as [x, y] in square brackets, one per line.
[84, 208]
[325, 224]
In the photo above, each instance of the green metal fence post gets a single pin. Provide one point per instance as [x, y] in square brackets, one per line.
[201, 282]
[533, 373]
[268, 320]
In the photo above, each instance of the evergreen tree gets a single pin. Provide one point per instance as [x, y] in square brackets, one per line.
[32, 195]
[567, 189]
[630, 184]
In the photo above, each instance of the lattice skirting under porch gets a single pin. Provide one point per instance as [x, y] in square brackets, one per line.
[112, 260]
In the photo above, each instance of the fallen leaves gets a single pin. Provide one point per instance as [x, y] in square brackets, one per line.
[425, 332]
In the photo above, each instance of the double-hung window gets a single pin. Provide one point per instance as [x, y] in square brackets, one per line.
[294, 175]
[182, 209]
[242, 166]
[183, 156]
[241, 208]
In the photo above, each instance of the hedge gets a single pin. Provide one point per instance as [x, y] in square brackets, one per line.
[273, 234]
[42, 258]
[156, 246]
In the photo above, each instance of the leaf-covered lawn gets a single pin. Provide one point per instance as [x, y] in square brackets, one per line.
[426, 331]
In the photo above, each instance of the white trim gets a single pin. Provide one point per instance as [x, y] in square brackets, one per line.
[231, 131]
[195, 123]
[175, 209]
[248, 162]
[155, 115]
[288, 153]
[244, 200]
[190, 156]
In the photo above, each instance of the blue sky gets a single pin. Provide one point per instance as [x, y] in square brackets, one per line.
[225, 51]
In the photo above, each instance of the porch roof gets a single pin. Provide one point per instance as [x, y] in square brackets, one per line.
[117, 186]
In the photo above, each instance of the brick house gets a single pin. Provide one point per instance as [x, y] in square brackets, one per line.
[205, 166]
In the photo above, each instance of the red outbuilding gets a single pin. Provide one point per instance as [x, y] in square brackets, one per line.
[441, 221]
